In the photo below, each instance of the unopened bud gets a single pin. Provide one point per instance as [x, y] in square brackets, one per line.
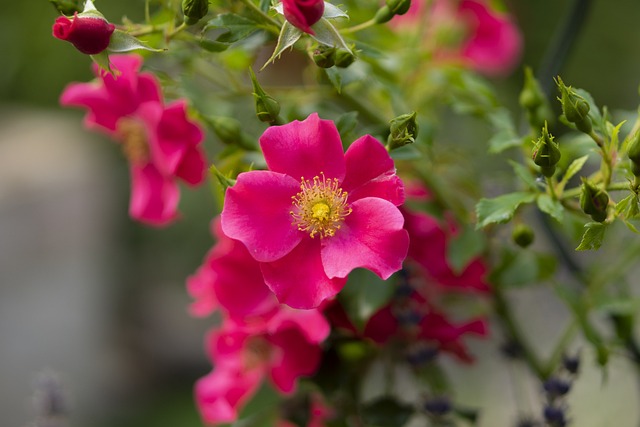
[194, 10]
[522, 235]
[531, 96]
[344, 58]
[574, 107]
[634, 154]
[403, 130]
[324, 56]
[546, 153]
[383, 15]
[267, 108]
[594, 201]
[399, 7]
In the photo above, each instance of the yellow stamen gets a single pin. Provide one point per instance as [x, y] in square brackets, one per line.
[320, 207]
[134, 140]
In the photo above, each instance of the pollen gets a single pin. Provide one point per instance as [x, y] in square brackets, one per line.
[134, 140]
[320, 207]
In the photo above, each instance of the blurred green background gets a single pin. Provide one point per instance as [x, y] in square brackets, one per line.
[156, 344]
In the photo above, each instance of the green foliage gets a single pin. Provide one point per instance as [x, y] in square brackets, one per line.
[364, 294]
[500, 209]
[386, 412]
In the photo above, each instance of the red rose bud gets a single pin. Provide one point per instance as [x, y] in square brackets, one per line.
[89, 34]
[303, 13]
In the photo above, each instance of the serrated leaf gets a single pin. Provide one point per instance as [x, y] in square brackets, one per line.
[464, 247]
[386, 412]
[592, 237]
[237, 27]
[287, 38]
[335, 77]
[550, 206]
[364, 294]
[500, 209]
[124, 42]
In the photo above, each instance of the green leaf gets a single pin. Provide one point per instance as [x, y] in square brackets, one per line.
[500, 209]
[125, 42]
[364, 294]
[237, 27]
[504, 131]
[629, 207]
[573, 169]
[592, 237]
[346, 123]
[386, 412]
[464, 247]
[335, 77]
[289, 35]
[523, 268]
[551, 206]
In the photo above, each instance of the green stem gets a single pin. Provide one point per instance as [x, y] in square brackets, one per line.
[359, 27]
[616, 186]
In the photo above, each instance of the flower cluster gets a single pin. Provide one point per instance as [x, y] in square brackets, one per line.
[160, 141]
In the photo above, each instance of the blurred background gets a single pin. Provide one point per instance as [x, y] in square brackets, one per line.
[93, 306]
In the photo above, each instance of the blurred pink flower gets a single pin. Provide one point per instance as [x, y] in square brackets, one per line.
[303, 13]
[282, 345]
[428, 249]
[89, 34]
[319, 412]
[317, 213]
[230, 279]
[161, 143]
[487, 40]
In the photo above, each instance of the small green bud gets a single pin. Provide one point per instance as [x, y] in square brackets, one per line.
[267, 108]
[522, 235]
[344, 58]
[546, 153]
[594, 201]
[324, 56]
[403, 130]
[574, 107]
[194, 10]
[634, 148]
[399, 7]
[383, 15]
[531, 97]
[67, 7]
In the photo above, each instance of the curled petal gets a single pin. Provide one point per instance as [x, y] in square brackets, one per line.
[256, 212]
[298, 279]
[311, 323]
[372, 237]
[371, 172]
[304, 149]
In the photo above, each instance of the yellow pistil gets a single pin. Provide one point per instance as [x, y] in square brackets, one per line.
[134, 140]
[320, 207]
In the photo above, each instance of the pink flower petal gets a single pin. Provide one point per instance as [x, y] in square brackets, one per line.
[371, 172]
[193, 168]
[221, 394]
[102, 112]
[311, 323]
[298, 358]
[371, 237]
[304, 149]
[298, 279]
[154, 197]
[256, 212]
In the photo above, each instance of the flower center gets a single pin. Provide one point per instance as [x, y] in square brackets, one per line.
[257, 351]
[320, 207]
[134, 140]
